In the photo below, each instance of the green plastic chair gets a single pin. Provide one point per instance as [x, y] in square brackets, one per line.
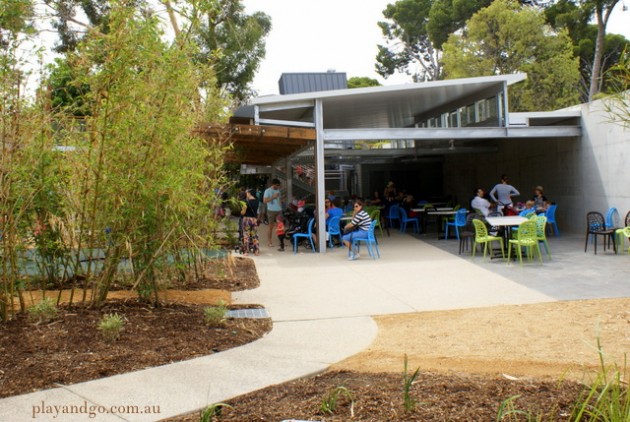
[541, 233]
[482, 236]
[375, 215]
[626, 232]
[525, 237]
[620, 238]
[530, 216]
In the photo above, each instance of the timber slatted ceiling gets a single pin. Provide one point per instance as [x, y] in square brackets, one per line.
[259, 145]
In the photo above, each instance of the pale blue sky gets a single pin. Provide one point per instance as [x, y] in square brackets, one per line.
[315, 36]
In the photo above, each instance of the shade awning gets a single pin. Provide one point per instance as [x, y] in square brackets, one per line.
[259, 145]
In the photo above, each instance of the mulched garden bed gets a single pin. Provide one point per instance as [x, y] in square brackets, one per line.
[379, 398]
[70, 349]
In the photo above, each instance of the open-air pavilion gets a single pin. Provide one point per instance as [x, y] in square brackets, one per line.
[445, 137]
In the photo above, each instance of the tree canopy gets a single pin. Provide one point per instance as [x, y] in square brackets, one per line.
[409, 42]
[230, 40]
[416, 30]
[235, 44]
[574, 16]
[506, 38]
[362, 82]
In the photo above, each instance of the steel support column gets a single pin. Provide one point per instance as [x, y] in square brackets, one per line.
[320, 185]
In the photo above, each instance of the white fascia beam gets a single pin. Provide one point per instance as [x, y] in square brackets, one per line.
[285, 106]
[450, 133]
[285, 123]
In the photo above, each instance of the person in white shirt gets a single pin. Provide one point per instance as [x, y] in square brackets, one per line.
[480, 203]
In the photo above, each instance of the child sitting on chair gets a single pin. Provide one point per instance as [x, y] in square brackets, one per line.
[280, 230]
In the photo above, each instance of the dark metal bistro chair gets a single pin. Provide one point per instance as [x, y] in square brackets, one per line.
[468, 232]
[596, 226]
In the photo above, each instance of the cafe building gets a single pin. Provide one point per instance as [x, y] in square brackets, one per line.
[437, 140]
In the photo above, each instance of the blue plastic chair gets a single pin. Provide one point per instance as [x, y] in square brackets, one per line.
[527, 212]
[334, 229]
[459, 221]
[404, 220]
[371, 242]
[551, 219]
[393, 215]
[308, 235]
[613, 220]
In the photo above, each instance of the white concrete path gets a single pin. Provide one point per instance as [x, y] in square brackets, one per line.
[321, 306]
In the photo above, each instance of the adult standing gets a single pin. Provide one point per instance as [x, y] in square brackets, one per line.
[249, 224]
[271, 198]
[357, 228]
[502, 193]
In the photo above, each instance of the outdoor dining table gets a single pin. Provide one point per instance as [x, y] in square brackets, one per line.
[441, 214]
[424, 212]
[506, 222]
[345, 220]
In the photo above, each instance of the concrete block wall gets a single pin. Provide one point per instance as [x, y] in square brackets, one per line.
[591, 173]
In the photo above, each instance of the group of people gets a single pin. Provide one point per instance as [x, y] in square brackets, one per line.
[252, 215]
[501, 196]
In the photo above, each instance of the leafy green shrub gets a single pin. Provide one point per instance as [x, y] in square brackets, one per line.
[110, 326]
[214, 316]
[44, 311]
[329, 402]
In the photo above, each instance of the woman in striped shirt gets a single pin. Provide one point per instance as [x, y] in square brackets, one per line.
[357, 228]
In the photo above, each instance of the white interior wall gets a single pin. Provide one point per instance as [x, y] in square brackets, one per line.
[587, 174]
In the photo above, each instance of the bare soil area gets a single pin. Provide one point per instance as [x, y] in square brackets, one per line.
[557, 340]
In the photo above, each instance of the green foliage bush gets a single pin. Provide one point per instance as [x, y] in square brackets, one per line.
[42, 312]
[214, 316]
[110, 326]
[134, 181]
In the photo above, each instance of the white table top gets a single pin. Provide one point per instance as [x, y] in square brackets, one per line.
[512, 220]
[432, 209]
[443, 212]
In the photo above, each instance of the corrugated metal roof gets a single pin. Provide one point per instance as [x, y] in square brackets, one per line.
[296, 83]
[382, 106]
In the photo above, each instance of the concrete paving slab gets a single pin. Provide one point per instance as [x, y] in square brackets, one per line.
[412, 276]
[55, 404]
[570, 274]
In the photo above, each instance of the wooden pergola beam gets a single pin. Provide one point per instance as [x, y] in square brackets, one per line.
[258, 145]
